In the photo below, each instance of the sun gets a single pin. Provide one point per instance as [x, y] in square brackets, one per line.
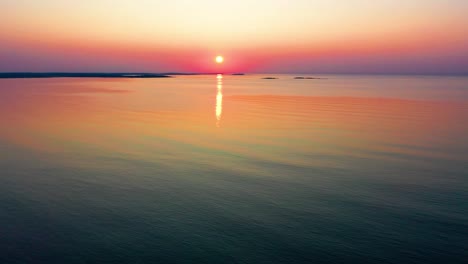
[219, 59]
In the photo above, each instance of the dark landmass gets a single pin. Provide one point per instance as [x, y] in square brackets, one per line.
[270, 78]
[184, 73]
[308, 78]
[238, 74]
[10, 75]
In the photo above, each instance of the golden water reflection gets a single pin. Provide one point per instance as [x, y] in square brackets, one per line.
[219, 99]
[119, 116]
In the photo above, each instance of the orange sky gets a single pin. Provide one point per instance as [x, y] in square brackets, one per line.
[254, 36]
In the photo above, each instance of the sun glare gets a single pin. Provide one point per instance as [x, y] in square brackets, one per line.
[219, 59]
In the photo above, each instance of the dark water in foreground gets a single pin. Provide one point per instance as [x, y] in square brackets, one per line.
[234, 169]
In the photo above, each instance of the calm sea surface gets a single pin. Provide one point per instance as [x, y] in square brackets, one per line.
[234, 169]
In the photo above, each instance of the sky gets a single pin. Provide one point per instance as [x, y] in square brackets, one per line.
[264, 36]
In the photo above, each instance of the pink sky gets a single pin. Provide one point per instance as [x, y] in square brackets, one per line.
[302, 36]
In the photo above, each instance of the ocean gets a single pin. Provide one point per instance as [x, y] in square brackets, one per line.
[234, 169]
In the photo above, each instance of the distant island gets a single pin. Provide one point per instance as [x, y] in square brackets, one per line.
[308, 78]
[269, 78]
[13, 75]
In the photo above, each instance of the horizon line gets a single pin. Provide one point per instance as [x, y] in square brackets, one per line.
[231, 73]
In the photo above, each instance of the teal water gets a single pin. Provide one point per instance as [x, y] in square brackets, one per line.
[234, 169]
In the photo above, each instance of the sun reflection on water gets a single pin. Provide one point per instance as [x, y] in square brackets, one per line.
[219, 99]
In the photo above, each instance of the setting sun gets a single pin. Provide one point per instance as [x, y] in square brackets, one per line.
[219, 59]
